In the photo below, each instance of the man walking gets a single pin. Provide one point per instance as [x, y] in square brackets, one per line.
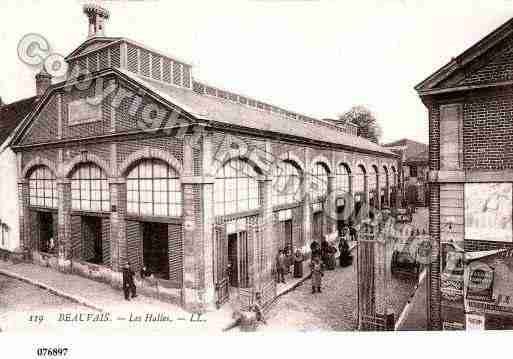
[128, 282]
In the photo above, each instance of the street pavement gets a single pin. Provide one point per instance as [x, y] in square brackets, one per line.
[336, 307]
[298, 310]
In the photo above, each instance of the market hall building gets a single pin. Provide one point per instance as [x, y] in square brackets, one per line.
[470, 104]
[138, 162]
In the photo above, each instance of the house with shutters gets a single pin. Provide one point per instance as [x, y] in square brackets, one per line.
[132, 160]
[470, 105]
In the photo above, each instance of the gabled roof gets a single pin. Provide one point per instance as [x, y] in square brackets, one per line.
[92, 44]
[12, 115]
[227, 113]
[472, 54]
[412, 148]
[221, 113]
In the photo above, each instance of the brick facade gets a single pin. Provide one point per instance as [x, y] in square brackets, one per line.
[470, 99]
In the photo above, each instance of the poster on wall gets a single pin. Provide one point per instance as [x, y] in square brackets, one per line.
[488, 211]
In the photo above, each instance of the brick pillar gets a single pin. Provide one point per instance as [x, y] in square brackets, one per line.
[377, 201]
[64, 223]
[331, 211]
[307, 209]
[434, 295]
[198, 211]
[24, 215]
[268, 244]
[365, 201]
[118, 244]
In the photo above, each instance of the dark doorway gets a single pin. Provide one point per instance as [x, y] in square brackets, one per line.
[238, 259]
[46, 235]
[288, 234]
[92, 239]
[341, 222]
[357, 209]
[317, 225]
[156, 249]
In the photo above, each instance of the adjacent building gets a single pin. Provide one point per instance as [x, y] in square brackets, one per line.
[414, 170]
[470, 104]
[133, 160]
[11, 116]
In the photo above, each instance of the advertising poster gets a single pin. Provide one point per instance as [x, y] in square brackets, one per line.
[488, 211]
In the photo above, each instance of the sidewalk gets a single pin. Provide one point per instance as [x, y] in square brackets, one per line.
[414, 316]
[101, 297]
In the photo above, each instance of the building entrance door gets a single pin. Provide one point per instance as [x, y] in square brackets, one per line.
[92, 250]
[156, 249]
[288, 234]
[238, 259]
[46, 235]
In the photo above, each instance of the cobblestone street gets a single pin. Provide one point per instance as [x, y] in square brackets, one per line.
[335, 308]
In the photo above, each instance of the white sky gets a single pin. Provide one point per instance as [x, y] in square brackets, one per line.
[317, 57]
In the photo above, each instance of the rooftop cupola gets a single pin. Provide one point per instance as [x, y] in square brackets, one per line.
[97, 17]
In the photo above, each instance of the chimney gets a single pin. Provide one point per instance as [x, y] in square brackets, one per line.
[97, 17]
[43, 81]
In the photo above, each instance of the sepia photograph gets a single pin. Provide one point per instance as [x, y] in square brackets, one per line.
[255, 167]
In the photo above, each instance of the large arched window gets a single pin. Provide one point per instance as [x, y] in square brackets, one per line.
[89, 189]
[235, 188]
[154, 189]
[342, 178]
[42, 188]
[359, 180]
[319, 185]
[286, 184]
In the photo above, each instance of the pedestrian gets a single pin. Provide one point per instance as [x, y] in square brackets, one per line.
[128, 282]
[280, 266]
[315, 249]
[298, 264]
[345, 258]
[352, 232]
[317, 274]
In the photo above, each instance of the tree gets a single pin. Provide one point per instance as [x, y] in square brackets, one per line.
[363, 118]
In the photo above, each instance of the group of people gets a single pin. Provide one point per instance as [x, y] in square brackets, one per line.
[322, 258]
[285, 260]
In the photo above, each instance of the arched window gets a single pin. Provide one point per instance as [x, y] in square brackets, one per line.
[394, 177]
[286, 184]
[342, 178]
[235, 188]
[359, 180]
[372, 179]
[319, 185]
[386, 180]
[154, 189]
[90, 189]
[42, 188]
